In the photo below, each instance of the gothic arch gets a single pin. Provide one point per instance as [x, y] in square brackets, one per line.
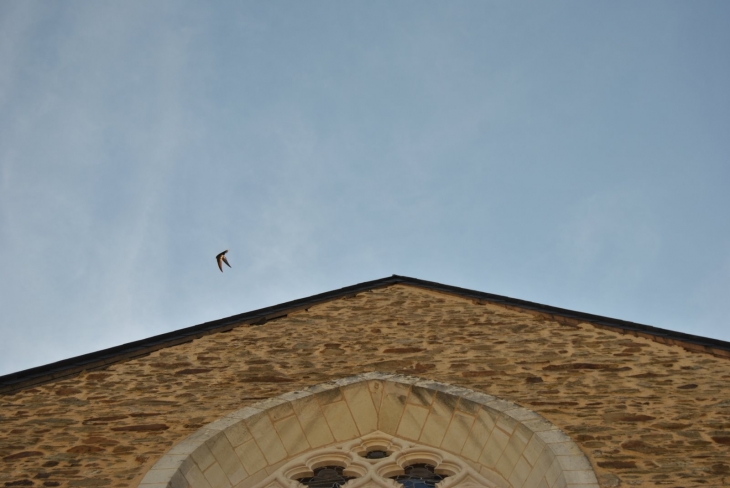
[474, 439]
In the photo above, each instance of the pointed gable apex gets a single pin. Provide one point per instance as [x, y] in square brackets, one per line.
[100, 359]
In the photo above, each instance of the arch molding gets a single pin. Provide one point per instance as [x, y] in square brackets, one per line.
[478, 440]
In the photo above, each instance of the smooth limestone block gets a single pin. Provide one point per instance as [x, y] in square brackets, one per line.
[251, 456]
[179, 481]
[203, 457]
[421, 396]
[467, 406]
[509, 458]
[539, 425]
[392, 406]
[506, 423]
[222, 424]
[330, 395]
[404, 379]
[195, 477]
[544, 463]
[457, 432]
[522, 437]
[267, 439]
[580, 477]
[432, 385]
[253, 480]
[512, 455]
[172, 461]
[521, 414]
[565, 449]
[533, 449]
[375, 375]
[295, 395]
[376, 393]
[494, 448]
[479, 397]
[520, 472]
[154, 476]
[574, 463]
[281, 411]
[216, 476]
[274, 467]
[456, 390]
[361, 406]
[560, 482]
[553, 437]
[246, 412]
[227, 459]
[270, 403]
[500, 405]
[322, 387]
[192, 442]
[313, 422]
[553, 473]
[482, 428]
[238, 433]
[291, 435]
[438, 419]
[494, 477]
[412, 422]
[340, 420]
[535, 478]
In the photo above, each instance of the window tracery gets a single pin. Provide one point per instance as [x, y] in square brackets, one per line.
[376, 460]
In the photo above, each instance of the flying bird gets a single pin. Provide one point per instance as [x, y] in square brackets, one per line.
[221, 258]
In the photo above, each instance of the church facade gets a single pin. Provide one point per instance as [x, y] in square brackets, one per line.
[392, 383]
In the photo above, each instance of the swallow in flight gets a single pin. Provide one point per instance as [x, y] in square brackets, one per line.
[221, 258]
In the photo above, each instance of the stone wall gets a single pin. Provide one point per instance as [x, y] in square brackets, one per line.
[645, 414]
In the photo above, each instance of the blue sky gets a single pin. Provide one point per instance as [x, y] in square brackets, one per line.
[570, 153]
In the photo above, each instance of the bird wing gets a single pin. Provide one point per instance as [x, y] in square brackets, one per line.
[218, 259]
[225, 261]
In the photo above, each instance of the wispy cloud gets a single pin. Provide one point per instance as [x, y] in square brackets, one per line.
[612, 236]
[500, 147]
[58, 208]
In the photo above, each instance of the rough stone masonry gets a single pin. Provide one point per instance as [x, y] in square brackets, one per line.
[644, 413]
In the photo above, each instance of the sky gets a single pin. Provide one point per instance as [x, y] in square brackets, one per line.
[575, 154]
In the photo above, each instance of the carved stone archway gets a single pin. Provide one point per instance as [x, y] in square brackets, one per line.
[473, 438]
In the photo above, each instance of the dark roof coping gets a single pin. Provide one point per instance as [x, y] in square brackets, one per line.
[100, 359]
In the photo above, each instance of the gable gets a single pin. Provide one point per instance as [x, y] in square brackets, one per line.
[101, 359]
[632, 405]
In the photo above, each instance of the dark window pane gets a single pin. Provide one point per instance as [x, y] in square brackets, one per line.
[326, 477]
[376, 454]
[419, 476]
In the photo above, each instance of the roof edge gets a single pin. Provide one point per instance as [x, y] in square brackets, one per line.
[13, 382]
[571, 317]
